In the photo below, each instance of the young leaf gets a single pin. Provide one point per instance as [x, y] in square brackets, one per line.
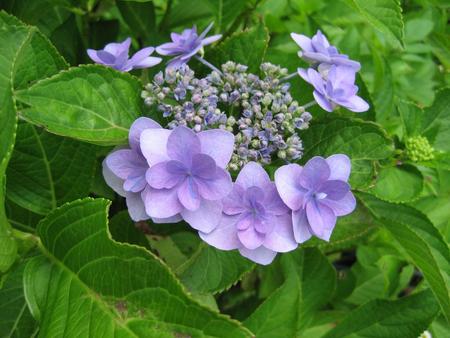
[213, 270]
[405, 317]
[362, 141]
[309, 283]
[422, 242]
[90, 103]
[384, 15]
[90, 285]
[436, 124]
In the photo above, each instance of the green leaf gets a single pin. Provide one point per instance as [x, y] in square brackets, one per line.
[46, 171]
[212, 270]
[236, 48]
[406, 317]
[88, 285]
[383, 91]
[227, 11]
[436, 124]
[309, 283]
[140, 17]
[421, 241]
[124, 230]
[440, 46]
[398, 184]
[362, 141]
[411, 116]
[15, 317]
[91, 103]
[384, 15]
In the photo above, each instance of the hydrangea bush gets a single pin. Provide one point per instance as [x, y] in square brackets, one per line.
[224, 169]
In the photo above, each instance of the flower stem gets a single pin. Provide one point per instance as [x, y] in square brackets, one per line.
[207, 64]
[288, 77]
[309, 104]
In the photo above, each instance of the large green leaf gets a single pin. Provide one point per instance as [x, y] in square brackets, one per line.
[436, 122]
[212, 270]
[46, 170]
[88, 285]
[364, 142]
[91, 103]
[421, 241]
[15, 317]
[140, 17]
[226, 11]
[384, 15]
[309, 284]
[406, 317]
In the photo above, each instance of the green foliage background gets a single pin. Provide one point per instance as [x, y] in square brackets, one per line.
[72, 263]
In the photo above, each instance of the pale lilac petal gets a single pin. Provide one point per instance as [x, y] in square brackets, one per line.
[315, 172]
[135, 183]
[161, 203]
[176, 63]
[182, 144]
[169, 220]
[302, 230]
[281, 239]
[303, 41]
[316, 80]
[334, 189]
[342, 207]
[217, 188]
[154, 145]
[211, 39]
[303, 74]
[205, 31]
[224, 236]
[203, 167]
[142, 59]
[340, 167]
[250, 238]
[321, 219]
[118, 48]
[287, 181]
[252, 174]
[138, 126]
[218, 144]
[93, 55]
[272, 200]
[114, 182]
[159, 177]
[109, 59]
[126, 162]
[136, 207]
[357, 104]
[146, 63]
[167, 48]
[260, 255]
[188, 194]
[206, 218]
[233, 203]
[323, 102]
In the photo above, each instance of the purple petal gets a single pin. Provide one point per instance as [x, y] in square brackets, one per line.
[316, 80]
[281, 239]
[206, 31]
[342, 207]
[252, 174]
[315, 172]
[287, 181]
[302, 230]
[118, 48]
[182, 145]
[138, 126]
[169, 48]
[321, 219]
[188, 194]
[356, 104]
[125, 163]
[211, 39]
[176, 63]
[169, 220]
[159, 177]
[260, 255]
[218, 144]
[203, 167]
[107, 58]
[340, 167]
[93, 55]
[303, 41]
[161, 203]
[154, 145]
[272, 200]
[250, 238]
[114, 182]
[136, 207]
[233, 203]
[142, 59]
[303, 74]
[206, 218]
[334, 189]
[323, 102]
[216, 188]
[224, 236]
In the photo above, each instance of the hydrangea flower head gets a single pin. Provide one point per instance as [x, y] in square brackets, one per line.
[318, 50]
[317, 194]
[116, 55]
[255, 219]
[186, 45]
[124, 170]
[187, 174]
[336, 89]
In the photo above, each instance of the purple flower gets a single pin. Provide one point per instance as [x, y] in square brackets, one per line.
[115, 55]
[187, 174]
[317, 194]
[255, 220]
[337, 89]
[186, 45]
[318, 50]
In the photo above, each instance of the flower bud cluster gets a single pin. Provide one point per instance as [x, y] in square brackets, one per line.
[419, 149]
[259, 111]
